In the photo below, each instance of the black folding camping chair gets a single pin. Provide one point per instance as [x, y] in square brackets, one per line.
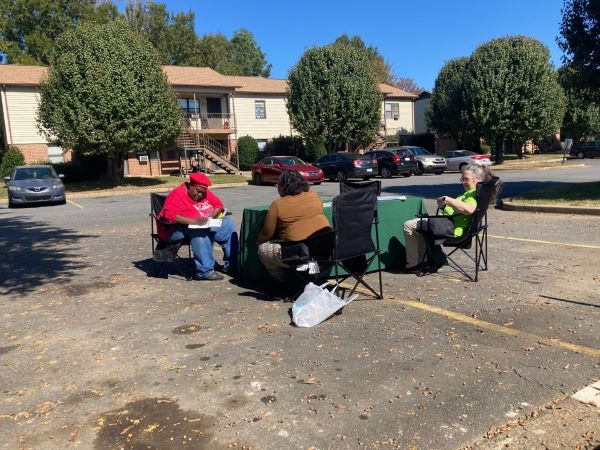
[463, 245]
[163, 252]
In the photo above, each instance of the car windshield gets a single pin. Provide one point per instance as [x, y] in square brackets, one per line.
[463, 153]
[402, 153]
[419, 151]
[30, 173]
[290, 162]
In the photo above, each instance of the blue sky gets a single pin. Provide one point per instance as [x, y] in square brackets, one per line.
[416, 37]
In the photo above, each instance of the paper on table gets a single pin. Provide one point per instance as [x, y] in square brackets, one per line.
[211, 223]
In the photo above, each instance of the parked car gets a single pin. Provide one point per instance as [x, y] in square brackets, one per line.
[342, 165]
[35, 184]
[390, 163]
[267, 170]
[428, 162]
[589, 149]
[457, 159]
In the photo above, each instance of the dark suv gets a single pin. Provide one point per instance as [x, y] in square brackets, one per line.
[340, 166]
[393, 162]
[589, 149]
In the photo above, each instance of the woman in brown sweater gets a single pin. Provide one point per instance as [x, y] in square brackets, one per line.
[296, 215]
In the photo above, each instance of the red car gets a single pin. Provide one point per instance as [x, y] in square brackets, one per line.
[267, 170]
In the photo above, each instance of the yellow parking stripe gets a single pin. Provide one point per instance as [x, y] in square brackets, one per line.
[537, 241]
[499, 328]
[75, 204]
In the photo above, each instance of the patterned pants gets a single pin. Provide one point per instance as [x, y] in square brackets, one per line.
[270, 255]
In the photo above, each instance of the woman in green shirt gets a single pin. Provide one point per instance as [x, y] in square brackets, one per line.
[460, 209]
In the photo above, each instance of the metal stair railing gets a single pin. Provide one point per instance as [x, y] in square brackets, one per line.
[210, 148]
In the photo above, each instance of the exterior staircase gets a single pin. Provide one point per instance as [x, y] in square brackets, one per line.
[209, 148]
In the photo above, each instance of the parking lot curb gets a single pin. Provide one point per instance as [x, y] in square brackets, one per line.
[508, 205]
[135, 191]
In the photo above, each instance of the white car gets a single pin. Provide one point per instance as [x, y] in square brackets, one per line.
[457, 159]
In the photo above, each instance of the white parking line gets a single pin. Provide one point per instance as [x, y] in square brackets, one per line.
[75, 204]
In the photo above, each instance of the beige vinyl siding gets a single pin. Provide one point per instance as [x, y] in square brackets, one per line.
[404, 124]
[277, 121]
[420, 121]
[22, 110]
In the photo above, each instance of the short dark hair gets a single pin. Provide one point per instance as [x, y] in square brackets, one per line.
[292, 183]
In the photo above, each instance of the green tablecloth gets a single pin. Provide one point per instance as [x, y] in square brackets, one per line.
[392, 215]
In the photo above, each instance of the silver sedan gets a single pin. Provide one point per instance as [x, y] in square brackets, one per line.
[35, 184]
[457, 159]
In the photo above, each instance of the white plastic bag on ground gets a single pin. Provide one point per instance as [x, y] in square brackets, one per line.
[316, 304]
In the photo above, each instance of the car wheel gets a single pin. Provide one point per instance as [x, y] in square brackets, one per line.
[317, 183]
[11, 205]
[256, 179]
[340, 176]
[439, 173]
[407, 174]
[366, 178]
[386, 172]
[419, 170]
[580, 155]
[462, 166]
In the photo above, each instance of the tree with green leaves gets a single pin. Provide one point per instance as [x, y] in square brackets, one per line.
[30, 27]
[580, 40]
[248, 152]
[172, 35]
[212, 50]
[381, 70]
[106, 94]
[512, 92]
[333, 96]
[447, 112]
[11, 158]
[246, 57]
[582, 117]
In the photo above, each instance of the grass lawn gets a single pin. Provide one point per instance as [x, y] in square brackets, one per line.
[538, 161]
[567, 194]
[143, 183]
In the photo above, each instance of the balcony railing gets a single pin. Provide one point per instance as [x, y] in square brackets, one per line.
[209, 121]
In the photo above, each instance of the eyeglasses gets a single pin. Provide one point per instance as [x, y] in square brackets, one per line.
[463, 178]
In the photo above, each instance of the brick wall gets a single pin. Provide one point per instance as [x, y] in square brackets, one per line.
[144, 169]
[33, 152]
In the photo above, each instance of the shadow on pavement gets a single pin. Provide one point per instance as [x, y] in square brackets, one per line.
[35, 253]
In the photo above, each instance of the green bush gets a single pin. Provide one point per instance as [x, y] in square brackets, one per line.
[315, 148]
[286, 146]
[11, 159]
[247, 151]
[84, 168]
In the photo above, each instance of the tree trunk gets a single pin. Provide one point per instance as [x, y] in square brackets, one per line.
[498, 150]
[519, 146]
[116, 169]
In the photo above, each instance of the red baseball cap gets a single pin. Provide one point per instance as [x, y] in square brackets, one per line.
[199, 179]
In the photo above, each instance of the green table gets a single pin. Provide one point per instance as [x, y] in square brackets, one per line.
[392, 215]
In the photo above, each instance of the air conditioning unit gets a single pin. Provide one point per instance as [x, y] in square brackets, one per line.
[143, 158]
[396, 116]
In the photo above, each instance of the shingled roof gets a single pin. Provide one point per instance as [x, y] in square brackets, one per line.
[14, 74]
[393, 91]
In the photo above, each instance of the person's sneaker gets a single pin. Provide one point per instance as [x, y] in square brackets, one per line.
[215, 276]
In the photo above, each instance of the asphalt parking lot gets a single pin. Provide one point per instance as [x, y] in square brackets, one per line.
[96, 355]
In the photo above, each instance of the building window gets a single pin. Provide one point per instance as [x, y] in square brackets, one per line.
[189, 105]
[392, 111]
[262, 144]
[260, 110]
